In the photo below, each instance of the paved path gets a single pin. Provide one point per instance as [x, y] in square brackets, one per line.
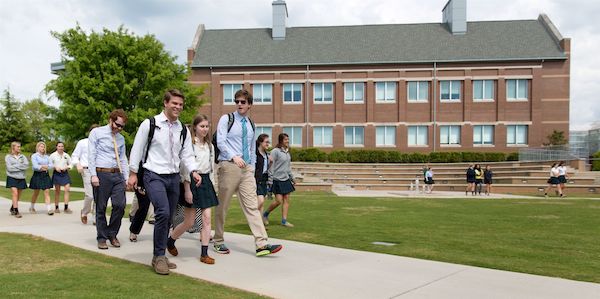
[303, 270]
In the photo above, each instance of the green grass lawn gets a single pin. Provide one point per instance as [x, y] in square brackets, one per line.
[554, 237]
[33, 267]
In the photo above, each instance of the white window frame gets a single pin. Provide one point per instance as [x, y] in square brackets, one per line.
[385, 143]
[354, 100]
[292, 101]
[321, 86]
[482, 134]
[451, 83]
[416, 142]
[292, 135]
[261, 130]
[262, 93]
[450, 130]
[320, 130]
[484, 89]
[418, 86]
[232, 95]
[517, 83]
[517, 129]
[353, 142]
[386, 99]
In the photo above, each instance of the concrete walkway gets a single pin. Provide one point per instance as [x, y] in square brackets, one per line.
[304, 270]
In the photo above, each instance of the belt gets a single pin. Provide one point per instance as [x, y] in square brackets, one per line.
[111, 170]
[85, 167]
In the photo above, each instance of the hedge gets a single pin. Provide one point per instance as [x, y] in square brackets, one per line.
[383, 156]
[596, 162]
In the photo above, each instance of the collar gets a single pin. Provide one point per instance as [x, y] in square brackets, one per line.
[162, 117]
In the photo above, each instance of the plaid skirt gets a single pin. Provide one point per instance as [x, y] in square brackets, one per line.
[40, 181]
[204, 196]
[16, 183]
[283, 187]
[261, 185]
[61, 178]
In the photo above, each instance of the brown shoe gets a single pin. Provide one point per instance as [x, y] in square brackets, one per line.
[171, 265]
[173, 250]
[84, 219]
[102, 245]
[207, 260]
[159, 263]
[68, 211]
[57, 211]
[115, 242]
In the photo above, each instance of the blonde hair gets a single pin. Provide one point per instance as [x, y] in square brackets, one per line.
[37, 146]
[13, 145]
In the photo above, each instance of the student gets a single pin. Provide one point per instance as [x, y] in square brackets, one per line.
[40, 180]
[478, 179]
[553, 181]
[470, 180]
[487, 179]
[236, 174]
[16, 164]
[80, 160]
[429, 180]
[562, 176]
[201, 197]
[60, 175]
[281, 176]
[171, 145]
[261, 171]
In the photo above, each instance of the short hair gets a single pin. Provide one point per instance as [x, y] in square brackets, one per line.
[172, 93]
[242, 93]
[116, 114]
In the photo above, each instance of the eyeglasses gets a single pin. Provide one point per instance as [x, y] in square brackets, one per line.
[120, 126]
[237, 102]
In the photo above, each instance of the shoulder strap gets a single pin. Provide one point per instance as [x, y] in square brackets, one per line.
[252, 124]
[230, 121]
[183, 134]
[150, 136]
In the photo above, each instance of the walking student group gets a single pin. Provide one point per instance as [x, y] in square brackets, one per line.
[181, 171]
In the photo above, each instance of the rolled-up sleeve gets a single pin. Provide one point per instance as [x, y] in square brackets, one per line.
[188, 159]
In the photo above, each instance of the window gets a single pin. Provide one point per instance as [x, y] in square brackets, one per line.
[418, 91]
[264, 130]
[385, 135]
[483, 90]
[354, 135]
[229, 91]
[323, 136]
[450, 90]
[354, 92]
[449, 135]
[483, 134]
[262, 93]
[385, 92]
[295, 134]
[417, 135]
[323, 92]
[516, 89]
[516, 134]
[292, 93]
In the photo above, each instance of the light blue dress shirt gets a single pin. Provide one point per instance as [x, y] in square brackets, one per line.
[37, 161]
[230, 144]
[101, 151]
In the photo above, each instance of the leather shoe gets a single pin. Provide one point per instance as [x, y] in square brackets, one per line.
[102, 245]
[173, 250]
[115, 242]
[207, 260]
[84, 219]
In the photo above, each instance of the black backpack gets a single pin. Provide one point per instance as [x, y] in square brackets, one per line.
[230, 121]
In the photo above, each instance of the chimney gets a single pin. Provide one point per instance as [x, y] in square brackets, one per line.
[280, 15]
[455, 15]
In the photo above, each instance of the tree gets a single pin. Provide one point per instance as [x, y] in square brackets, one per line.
[556, 138]
[11, 121]
[115, 69]
[39, 119]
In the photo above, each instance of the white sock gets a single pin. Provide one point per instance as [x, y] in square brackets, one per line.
[33, 206]
[49, 207]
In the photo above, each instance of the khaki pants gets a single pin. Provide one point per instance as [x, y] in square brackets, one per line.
[234, 179]
[88, 197]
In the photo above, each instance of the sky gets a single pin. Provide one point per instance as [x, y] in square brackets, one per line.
[27, 48]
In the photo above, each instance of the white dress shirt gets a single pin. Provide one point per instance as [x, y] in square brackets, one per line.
[205, 157]
[62, 162]
[80, 154]
[166, 152]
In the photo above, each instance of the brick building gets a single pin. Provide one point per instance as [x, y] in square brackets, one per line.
[449, 86]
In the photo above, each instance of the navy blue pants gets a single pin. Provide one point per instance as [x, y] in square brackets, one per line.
[163, 192]
[112, 185]
[137, 222]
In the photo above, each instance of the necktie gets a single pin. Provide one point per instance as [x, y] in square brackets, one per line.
[245, 152]
[114, 138]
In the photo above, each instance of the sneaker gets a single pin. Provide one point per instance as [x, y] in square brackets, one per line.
[132, 237]
[207, 260]
[50, 212]
[32, 210]
[68, 211]
[268, 249]
[17, 214]
[159, 263]
[170, 265]
[287, 224]
[265, 220]
[57, 211]
[221, 248]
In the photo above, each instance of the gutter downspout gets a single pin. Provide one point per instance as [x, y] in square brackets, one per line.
[307, 76]
[434, 98]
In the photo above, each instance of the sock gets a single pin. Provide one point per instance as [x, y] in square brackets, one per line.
[32, 205]
[204, 251]
[49, 206]
[266, 214]
[66, 207]
[283, 221]
[170, 242]
[57, 207]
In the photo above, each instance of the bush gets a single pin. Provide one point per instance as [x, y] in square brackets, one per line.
[512, 157]
[338, 157]
[596, 163]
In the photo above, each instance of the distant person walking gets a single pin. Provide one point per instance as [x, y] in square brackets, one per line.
[280, 174]
[429, 182]
[261, 171]
[16, 165]
[41, 164]
[553, 181]
[478, 179]
[470, 180]
[60, 175]
[562, 176]
[79, 158]
[488, 175]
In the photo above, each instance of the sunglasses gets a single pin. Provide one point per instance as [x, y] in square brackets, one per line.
[237, 102]
[120, 126]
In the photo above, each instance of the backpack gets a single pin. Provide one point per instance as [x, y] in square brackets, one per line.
[153, 127]
[230, 122]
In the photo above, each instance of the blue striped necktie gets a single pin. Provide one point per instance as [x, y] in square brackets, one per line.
[245, 152]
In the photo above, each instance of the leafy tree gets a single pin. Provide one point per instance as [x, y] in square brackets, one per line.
[115, 69]
[556, 138]
[11, 121]
[39, 118]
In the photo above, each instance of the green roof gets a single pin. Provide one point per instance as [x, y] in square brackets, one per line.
[378, 44]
